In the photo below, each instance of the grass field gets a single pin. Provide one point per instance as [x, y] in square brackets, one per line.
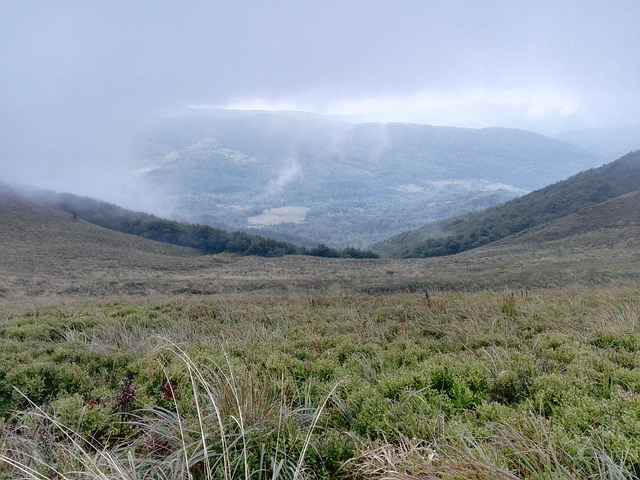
[542, 383]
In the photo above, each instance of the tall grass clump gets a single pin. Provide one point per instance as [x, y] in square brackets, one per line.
[222, 424]
[524, 446]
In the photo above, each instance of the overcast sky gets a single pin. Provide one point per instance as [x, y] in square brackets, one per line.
[78, 77]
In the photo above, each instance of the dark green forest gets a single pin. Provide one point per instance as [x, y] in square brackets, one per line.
[206, 239]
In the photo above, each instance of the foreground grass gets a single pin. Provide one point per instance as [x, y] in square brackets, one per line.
[542, 384]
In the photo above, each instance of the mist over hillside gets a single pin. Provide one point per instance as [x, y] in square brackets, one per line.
[205, 239]
[82, 80]
[609, 142]
[309, 179]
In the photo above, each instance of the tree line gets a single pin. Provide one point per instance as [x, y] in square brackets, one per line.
[204, 238]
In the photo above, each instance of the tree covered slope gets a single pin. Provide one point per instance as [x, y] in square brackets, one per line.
[529, 211]
[352, 184]
[203, 238]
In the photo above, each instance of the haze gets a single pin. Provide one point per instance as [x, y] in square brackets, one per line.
[80, 80]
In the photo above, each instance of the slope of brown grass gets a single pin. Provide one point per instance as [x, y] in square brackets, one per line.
[51, 255]
[620, 215]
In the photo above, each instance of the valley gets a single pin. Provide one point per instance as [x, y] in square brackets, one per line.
[126, 357]
[319, 240]
[358, 183]
[49, 253]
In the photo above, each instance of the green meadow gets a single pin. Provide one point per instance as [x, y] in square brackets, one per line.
[499, 384]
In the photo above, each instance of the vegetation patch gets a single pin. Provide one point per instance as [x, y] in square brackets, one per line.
[541, 384]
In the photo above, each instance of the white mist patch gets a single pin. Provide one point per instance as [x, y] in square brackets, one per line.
[482, 185]
[275, 216]
[409, 188]
[475, 185]
[485, 185]
[286, 175]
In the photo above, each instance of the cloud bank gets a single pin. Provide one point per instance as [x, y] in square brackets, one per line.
[80, 80]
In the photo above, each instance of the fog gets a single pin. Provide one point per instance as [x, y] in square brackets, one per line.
[81, 81]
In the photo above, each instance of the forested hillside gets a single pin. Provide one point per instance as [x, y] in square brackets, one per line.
[347, 184]
[537, 208]
[203, 238]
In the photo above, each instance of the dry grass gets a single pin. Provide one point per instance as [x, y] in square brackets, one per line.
[49, 254]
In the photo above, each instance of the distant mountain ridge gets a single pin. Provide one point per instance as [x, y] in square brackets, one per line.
[359, 183]
[530, 211]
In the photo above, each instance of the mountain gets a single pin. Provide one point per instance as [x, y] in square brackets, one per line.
[310, 179]
[529, 211]
[41, 246]
[614, 222]
[599, 244]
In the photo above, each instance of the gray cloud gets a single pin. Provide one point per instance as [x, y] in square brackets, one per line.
[79, 79]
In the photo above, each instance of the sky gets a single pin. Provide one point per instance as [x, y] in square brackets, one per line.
[79, 79]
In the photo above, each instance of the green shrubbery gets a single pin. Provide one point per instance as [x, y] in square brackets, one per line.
[488, 385]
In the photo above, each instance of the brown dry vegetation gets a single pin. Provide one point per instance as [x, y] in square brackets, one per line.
[48, 254]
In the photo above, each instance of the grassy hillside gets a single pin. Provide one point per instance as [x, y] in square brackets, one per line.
[618, 218]
[37, 237]
[529, 211]
[48, 254]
